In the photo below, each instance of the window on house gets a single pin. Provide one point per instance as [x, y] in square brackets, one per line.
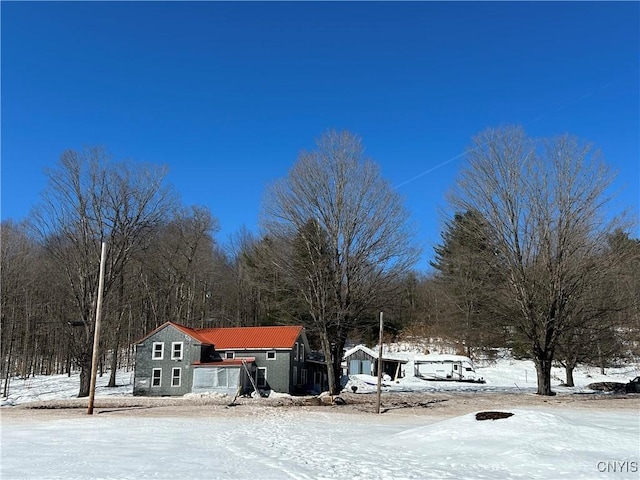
[158, 350]
[261, 377]
[176, 351]
[230, 355]
[301, 357]
[317, 378]
[156, 378]
[295, 375]
[176, 375]
[295, 352]
[271, 355]
[303, 379]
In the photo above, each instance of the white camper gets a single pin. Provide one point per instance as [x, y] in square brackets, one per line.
[446, 368]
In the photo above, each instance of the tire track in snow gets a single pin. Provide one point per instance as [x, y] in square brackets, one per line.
[346, 451]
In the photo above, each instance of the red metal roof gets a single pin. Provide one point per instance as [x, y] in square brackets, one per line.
[244, 338]
[249, 338]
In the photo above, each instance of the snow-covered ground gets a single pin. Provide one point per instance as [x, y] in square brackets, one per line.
[281, 443]
[505, 375]
[246, 442]
[56, 387]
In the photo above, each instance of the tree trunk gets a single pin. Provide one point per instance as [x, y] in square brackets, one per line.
[25, 360]
[9, 359]
[569, 373]
[84, 364]
[328, 354]
[114, 366]
[543, 372]
[85, 379]
[116, 338]
[337, 365]
[114, 355]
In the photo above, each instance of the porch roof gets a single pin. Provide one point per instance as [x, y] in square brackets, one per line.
[226, 362]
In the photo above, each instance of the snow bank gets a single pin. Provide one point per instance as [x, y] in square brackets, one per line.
[530, 444]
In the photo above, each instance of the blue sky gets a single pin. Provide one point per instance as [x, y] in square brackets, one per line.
[228, 94]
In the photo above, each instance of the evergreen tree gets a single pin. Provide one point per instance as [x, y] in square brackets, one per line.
[465, 264]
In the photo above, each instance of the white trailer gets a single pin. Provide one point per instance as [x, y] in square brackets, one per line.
[455, 368]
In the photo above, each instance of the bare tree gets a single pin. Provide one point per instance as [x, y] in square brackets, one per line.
[593, 336]
[342, 236]
[546, 204]
[177, 268]
[89, 200]
[33, 310]
[253, 301]
[17, 267]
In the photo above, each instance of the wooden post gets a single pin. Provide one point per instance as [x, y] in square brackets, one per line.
[96, 333]
[379, 366]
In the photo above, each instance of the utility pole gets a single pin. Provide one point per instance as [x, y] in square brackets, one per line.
[96, 333]
[379, 365]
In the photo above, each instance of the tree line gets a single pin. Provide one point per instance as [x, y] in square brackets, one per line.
[531, 258]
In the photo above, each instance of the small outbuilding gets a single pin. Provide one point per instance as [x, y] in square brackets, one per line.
[363, 360]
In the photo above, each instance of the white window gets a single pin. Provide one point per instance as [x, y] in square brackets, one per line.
[301, 358]
[158, 350]
[156, 379]
[303, 380]
[261, 377]
[295, 352]
[176, 351]
[271, 355]
[176, 375]
[230, 355]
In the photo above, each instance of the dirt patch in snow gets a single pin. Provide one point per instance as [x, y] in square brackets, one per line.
[438, 405]
[481, 416]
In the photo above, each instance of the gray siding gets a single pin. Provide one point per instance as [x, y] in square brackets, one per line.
[145, 364]
[279, 370]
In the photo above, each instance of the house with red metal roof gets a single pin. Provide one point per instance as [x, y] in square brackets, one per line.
[174, 360]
